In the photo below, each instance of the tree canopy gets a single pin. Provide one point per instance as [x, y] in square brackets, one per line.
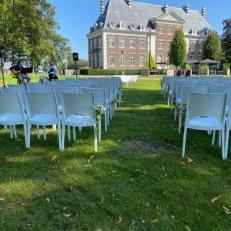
[28, 31]
[177, 53]
[226, 40]
[212, 47]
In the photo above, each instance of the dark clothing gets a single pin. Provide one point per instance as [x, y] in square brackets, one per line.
[51, 76]
[16, 68]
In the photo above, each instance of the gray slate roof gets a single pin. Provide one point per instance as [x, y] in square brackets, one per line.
[141, 13]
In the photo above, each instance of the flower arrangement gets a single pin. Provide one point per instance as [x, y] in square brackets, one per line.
[99, 110]
[183, 108]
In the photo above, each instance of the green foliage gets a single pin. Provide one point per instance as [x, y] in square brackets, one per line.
[212, 47]
[170, 67]
[226, 66]
[150, 63]
[226, 40]
[177, 53]
[108, 72]
[188, 67]
[204, 67]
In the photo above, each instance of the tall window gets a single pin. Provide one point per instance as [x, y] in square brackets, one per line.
[168, 45]
[111, 42]
[193, 46]
[95, 60]
[132, 59]
[142, 44]
[95, 43]
[161, 44]
[122, 59]
[101, 59]
[111, 59]
[191, 57]
[91, 61]
[201, 45]
[122, 42]
[161, 29]
[169, 30]
[132, 43]
[99, 42]
[159, 58]
[91, 44]
[142, 59]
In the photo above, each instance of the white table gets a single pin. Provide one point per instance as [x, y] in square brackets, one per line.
[127, 78]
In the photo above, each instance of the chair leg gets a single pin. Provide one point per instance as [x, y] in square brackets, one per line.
[28, 135]
[213, 138]
[99, 129]
[184, 141]
[180, 123]
[25, 133]
[44, 133]
[38, 133]
[105, 121]
[15, 131]
[219, 140]
[175, 112]
[11, 131]
[74, 134]
[95, 138]
[63, 136]
[224, 156]
[59, 136]
[69, 133]
[226, 142]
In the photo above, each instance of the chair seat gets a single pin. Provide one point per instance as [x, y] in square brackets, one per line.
[80, 120]
[43, 118]
[204, 123]
[10, 118]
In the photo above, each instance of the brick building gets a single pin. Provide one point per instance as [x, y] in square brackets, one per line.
[126, 31]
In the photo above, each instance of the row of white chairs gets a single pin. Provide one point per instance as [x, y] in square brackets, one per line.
[42, 109]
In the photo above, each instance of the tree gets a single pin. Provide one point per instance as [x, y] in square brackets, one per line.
[226, 40]
[177, 53]
[150, 63]
[212, 47]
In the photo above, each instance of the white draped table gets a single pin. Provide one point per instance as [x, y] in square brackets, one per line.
[127, 78]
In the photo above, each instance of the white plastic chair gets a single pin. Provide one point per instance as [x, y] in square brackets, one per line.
[99, 97]
[42, 109]
[12, 113]
[38, 89]
[78, 112]
[185, 90]
[205, 112]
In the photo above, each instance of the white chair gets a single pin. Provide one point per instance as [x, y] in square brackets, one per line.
[99, 97]
[78, 112]
[185, 90]
[205, 112]
[12, 113]
[38, 89]
[42, 109]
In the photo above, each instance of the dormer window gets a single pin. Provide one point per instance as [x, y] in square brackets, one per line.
[142, 27]
[193, 31]
[122, 25]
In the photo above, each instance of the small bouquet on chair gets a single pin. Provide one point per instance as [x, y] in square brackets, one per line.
[99, 110]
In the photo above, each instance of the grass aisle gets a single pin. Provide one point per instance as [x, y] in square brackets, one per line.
[136, 181]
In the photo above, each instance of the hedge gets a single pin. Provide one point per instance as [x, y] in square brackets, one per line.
[108, 72]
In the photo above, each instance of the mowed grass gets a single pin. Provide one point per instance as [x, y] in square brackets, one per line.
[136, 181]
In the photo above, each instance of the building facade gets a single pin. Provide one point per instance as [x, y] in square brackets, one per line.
[126, 31]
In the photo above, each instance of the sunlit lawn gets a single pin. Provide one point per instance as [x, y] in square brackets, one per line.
[136, 181]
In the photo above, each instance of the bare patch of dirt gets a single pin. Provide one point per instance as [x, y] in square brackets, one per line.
[143, 146]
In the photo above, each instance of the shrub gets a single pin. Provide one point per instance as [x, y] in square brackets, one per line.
[226, 66]
[188, 67]
[204, 67]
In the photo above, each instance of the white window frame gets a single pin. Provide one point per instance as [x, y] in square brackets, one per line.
[161, 29]
[132, 43]
[122, 43]
[142, 60]
[132, 59]
[142, 27]
[122, 59]
[170, 30]
[142, 43]
[122, 25]
[111, 59]
[111, 42]
[159, 58]
[160, 44]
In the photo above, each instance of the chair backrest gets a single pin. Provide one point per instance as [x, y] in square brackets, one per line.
[99, 95]
[59, 90]
[41, 102]
[81, 104]
[34, 84]
[224, 89]
[212, 105]
[11, 103]
[107, 90]
[179, 85]
[16, 85]
[48, 83]
[185, 90]
[18, 90]
[38, 89]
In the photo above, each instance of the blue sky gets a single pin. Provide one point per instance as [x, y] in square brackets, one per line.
[75, 17]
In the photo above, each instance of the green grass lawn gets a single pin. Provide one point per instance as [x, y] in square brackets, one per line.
[137, 181]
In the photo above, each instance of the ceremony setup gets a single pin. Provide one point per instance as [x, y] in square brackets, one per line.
[115, 118]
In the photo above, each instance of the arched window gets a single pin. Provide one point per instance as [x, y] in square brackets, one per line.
[193, 31]
[159, 58]
[142, 27]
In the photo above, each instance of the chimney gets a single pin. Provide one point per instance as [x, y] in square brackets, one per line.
[102, 7]
[129, 2]
[203, 11]
[165, 8]
[186, 8]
